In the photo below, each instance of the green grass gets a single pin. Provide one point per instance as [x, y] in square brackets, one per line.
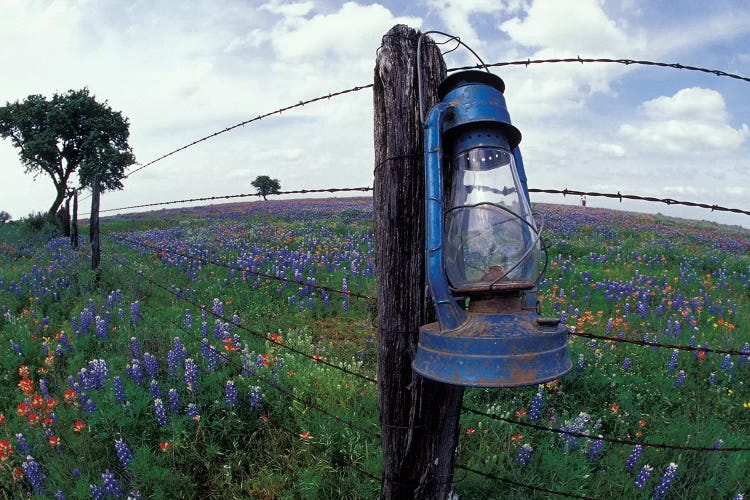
[315, 434]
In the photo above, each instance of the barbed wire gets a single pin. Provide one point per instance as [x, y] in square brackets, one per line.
[487, 475]
[251, 120]
[618, 195]
[242, 195]
[626, 62]
[573, 192]
[604, 438]
[241, 269]
[314, 358]
[732, 352]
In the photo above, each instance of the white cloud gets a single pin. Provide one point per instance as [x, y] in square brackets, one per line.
[692, 119]
[457, 15]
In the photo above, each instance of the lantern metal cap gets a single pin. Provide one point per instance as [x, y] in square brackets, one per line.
[470, 77]
[478, 103]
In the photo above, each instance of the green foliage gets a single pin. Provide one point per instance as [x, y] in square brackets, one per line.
[290, 448]
[265, 185]
[69, 132]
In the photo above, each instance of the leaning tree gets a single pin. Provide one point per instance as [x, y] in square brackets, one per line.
[69, 132]
[265, 185]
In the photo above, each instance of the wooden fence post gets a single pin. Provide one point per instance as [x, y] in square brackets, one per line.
[418, 417]
[96, 256]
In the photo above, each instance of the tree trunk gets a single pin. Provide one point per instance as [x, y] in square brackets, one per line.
[96, 256]
[58, 200]
[418, 417]
[63, 218]
[74, 224]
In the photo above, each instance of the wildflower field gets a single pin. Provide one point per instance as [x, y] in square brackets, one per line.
[216, 357]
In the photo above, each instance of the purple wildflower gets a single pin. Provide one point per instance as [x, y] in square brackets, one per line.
[218, 307]
[154, 390]
[123, 453]
[111, 485]
[626, 364]
[524, 454]
[119, 390]
[193, 412]
[188, 323]
[97, 493]
[191, 374]
[150, 364]
[135, 347]
[160, 413]
[23, 445]
[174, 401]
[712, 378]
[135, 312]
[643, 475]
[135, 371]
[594, 449]
[34, 473]
[681, 376]
[535, 408]
[256, 398]
[666, 479]
[581, 362]
[230, 393]
[633, 458]
[672, 365]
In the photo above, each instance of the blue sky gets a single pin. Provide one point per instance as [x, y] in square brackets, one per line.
[183, 70]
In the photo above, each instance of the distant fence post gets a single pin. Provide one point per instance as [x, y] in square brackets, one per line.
[96, 256]
[418, 417]
[74, 221]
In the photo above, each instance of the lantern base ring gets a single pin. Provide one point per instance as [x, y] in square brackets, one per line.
[494, 350]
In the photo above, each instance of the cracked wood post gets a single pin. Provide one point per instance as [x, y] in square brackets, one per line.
[74, 221]
[418, 417]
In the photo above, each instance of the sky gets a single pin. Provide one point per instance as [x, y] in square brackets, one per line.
[181, 70]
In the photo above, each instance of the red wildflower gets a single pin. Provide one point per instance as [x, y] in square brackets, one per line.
[27, 386]
[17, 473]
[37, 402]
[79, 426]
[23, 409]
[2, 419]
[165, 445]
[305, 435]
[517, 439]
[70, 395]
[6, 450]
[520, 413]
[54, 441]
[470, 431]
[24, 372]
[34, 418]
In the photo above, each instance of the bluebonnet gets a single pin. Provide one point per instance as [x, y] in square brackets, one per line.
[154, 389]
[111, 485]
[712, 378]
[135, 371]
[256, 398]
[581, 362]
[191, 374]
[97, 493]
[643, 475]
[101, 327]
[192, 411]
[666, 479]
[23, 445]
[34, 473]
[118, 389]
[218, 307]
[188, 322]
[124, 454]
[150, 364]
[633, 458]
[160, 413]
[626, 364]
[672, 365]
[681, 376]
[87, 403]
[230, 393]
[535, 408]
[524, 454]
[135, 347]
[59, 495]
[43, 390]
[594, 449]
[135, 312]
[174, 400]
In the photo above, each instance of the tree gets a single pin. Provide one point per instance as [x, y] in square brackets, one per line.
[265, 185]
[69, 132]
[4, 217]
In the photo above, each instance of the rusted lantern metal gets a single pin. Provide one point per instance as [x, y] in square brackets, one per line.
[483, 247]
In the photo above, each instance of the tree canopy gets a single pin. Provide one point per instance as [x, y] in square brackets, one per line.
[265, 185]
[69, 132]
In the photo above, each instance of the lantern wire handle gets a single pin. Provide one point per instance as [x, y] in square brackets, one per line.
[530, 247]
[419, 63]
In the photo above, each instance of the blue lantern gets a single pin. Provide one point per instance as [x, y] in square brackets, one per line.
[483, 249]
